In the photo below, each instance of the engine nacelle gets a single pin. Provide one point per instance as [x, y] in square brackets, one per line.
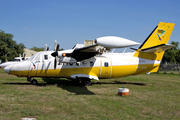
[115, 42]
[64, 53]
[67, 60]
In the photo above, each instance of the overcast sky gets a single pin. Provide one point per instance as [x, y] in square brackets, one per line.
[40, 22]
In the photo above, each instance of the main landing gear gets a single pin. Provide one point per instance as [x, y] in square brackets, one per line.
[33, 82]
[84, 81]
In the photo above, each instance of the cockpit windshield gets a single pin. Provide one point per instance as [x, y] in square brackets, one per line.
[34, 56]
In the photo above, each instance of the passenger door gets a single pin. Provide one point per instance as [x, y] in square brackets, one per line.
[42, 65]
[106, 68]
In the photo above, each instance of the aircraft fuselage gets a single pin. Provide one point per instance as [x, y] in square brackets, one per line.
[109, 65]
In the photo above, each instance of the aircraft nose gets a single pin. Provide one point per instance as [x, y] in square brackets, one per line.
[7, 69]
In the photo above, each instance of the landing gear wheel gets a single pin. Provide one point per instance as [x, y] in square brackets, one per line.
[29, 79]
[87, 82]
[34, 82]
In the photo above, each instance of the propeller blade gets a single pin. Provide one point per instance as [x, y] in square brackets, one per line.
[57, 48]
[20, 57]
[45, 47]
[54, 54]
[24, 55]
[55, 63]
[55, 45]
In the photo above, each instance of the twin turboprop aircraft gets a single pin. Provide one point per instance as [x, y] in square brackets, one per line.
[94, 62]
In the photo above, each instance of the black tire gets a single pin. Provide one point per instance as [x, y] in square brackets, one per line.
[29, 79]
[34, 82]
[87, 82]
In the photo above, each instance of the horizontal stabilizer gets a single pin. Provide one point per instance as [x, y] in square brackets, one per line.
[158, 48]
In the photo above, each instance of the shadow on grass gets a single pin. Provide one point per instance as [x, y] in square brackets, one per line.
[72, 86]
[117, 82]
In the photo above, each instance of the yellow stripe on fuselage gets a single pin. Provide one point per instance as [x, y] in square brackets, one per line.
[117, 71]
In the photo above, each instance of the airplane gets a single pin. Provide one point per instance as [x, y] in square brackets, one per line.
[95, 61]
[14, 61]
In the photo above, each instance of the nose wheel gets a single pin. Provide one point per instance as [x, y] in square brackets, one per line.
[33, 82]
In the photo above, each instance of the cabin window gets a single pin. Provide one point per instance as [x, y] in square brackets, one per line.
[46, 57]
[106, 64]
[65, 64]
[78, 63]
[91, 63]
[71, 64]
[84, 63]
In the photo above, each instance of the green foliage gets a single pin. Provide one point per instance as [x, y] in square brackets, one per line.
[42, 49]
[8, 47]
[172, 55]
[37, 49]
[61, 49]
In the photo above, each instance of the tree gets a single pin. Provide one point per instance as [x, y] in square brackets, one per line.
[172, 55]
[37, 49]
[9, 49]
[42, 49]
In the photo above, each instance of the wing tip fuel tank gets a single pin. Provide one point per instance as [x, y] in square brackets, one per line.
[115, 42]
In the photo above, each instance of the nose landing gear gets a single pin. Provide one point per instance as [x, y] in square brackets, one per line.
[33, 82]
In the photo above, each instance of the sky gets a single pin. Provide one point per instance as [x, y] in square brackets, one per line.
[38, 22]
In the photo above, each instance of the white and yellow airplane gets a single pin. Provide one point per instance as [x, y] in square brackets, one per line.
[93, 62]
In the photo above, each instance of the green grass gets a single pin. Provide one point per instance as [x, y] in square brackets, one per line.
[154, 96]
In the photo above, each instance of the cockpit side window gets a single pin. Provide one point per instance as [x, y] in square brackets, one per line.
[84, 63]
[45, 57]
[71, 64]
[91, 63]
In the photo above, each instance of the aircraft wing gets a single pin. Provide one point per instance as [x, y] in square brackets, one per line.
[86, 52]
[92, 48]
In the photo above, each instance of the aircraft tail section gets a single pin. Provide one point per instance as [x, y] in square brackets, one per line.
[154, 46]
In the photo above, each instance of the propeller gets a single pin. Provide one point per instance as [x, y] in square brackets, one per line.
[23, 56]
[46, 48]
[20, 56]
[55, 54]
[55, 45]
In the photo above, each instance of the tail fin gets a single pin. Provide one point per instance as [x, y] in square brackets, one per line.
[156, 43]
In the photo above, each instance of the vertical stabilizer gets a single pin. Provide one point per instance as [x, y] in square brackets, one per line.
[157, 40]
[160, 35]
